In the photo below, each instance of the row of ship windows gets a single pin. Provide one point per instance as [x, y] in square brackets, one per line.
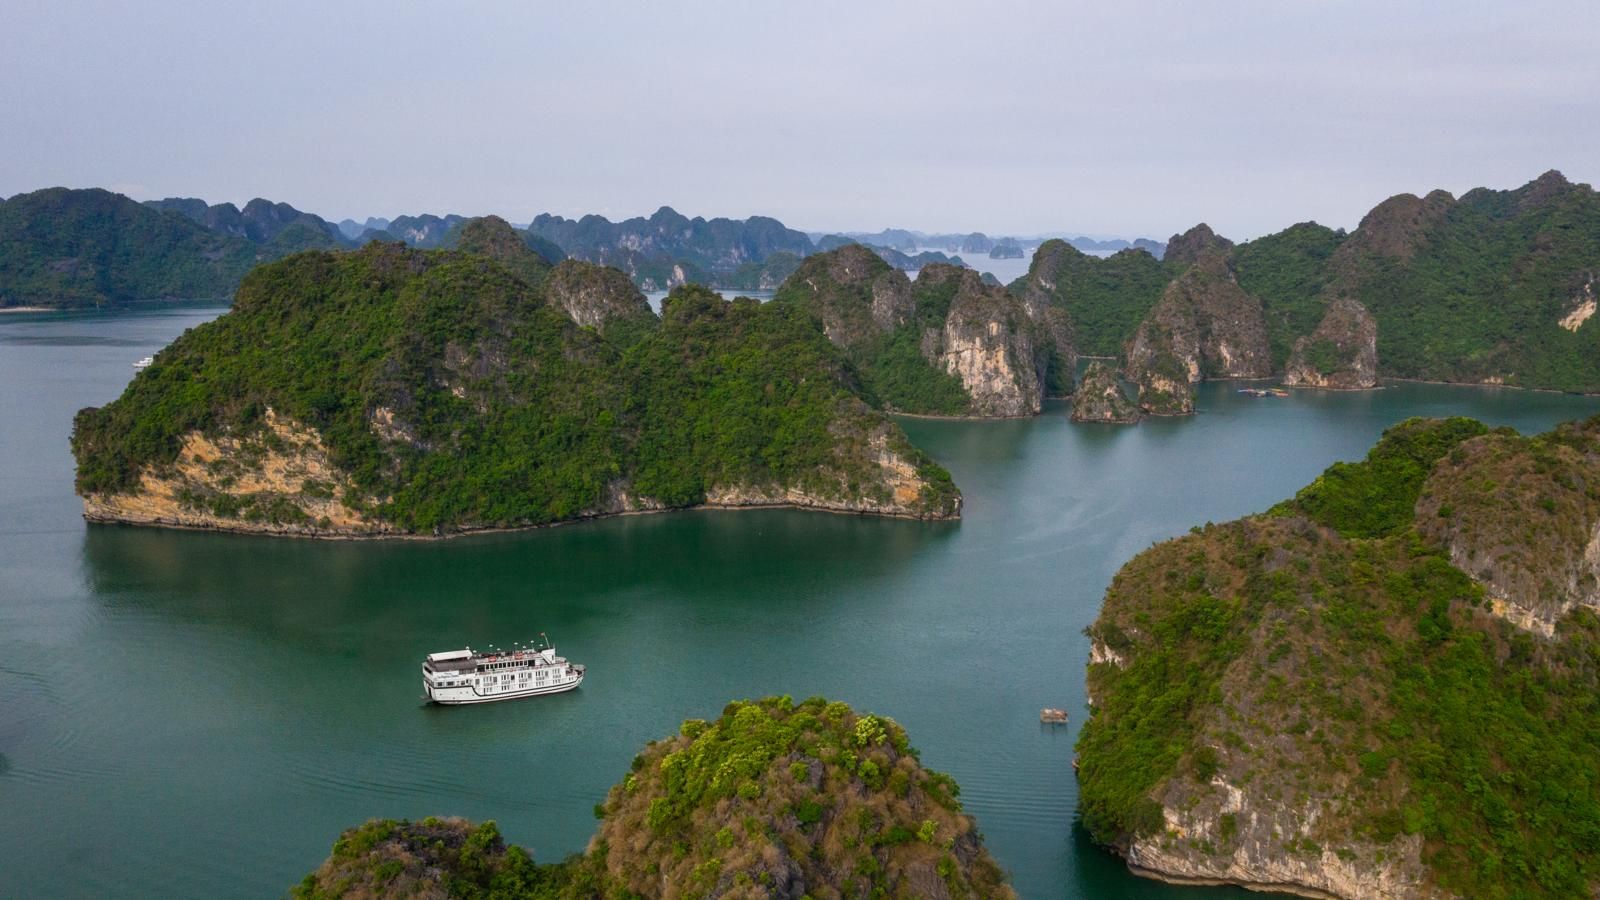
[494, 667]
[492, 679]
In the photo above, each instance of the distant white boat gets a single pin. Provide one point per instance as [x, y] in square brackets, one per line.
[483, 676]
[143, 363]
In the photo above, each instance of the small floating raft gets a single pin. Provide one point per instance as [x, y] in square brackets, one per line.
[1052, 716]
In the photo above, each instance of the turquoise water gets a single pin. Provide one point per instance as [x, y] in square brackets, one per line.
[196, 715]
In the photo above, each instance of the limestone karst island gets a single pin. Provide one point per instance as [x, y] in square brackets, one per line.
[720, 451]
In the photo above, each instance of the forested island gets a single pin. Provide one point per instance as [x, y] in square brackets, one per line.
[1386, 686]
[944, 344]
[773, 799]
[396, 391]
[1496, 287]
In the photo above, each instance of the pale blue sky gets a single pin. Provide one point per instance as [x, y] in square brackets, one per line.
[1114, 118]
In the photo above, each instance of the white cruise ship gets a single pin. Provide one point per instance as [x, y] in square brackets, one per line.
[483, 676]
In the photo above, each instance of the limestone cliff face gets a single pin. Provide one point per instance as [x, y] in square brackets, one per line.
[1100, 398]
[1000, 348]
[276, 480]
[1342, 353]
[1205, 326]
[988, 342]
[1258, 859]
[1533, 540]
[279, 480]
[852, 292]
[1053, 324]
[902, 495]
[1254, 802]
[1582, 306]
[595, 296]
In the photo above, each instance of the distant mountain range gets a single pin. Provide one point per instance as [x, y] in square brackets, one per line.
[91, 247]
[979, 244]
[1496, 286]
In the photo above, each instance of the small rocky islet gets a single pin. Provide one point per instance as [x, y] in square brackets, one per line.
[773, 799]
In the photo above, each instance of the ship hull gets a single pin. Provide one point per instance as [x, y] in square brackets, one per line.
[465, 696]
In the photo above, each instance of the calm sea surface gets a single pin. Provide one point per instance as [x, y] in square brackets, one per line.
[198, 715]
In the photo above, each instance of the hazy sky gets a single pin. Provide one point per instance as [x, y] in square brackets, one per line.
[1112, 118]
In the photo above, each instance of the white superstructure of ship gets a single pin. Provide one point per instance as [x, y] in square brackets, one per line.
[483, 676]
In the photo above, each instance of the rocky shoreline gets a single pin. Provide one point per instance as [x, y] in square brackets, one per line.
[1288, 890]
[316, 534]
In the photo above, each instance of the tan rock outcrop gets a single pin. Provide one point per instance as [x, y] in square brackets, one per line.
[1532, 538]
[1099, 398]
[277, 480]
[1342, 353]
[988, 343]
[1205, 326]
[595, 295]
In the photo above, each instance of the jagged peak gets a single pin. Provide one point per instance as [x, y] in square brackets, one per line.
[1197, 242]
[1542, 190]
[666, 215]
[938, 273]
[1551, 177]
[1398, 225]
[493, 237]
[847, 264]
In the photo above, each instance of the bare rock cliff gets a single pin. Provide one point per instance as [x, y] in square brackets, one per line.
[276, 480]
[595, 295]
[988, 341]
[1342, 353]
[1205, 326]
[1100, 398]
[852, 292]
[1532, 538]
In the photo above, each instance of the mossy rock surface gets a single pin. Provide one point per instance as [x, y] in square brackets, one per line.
[1391, 681]
[773, 799]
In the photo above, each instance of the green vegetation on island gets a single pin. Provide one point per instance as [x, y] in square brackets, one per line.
[1288, 271]
[1496, 287]
[944, 344]
[86, 248]
[1320, 698]
[772, 799]
[878, 318]
[398, 390]
[1105, 298]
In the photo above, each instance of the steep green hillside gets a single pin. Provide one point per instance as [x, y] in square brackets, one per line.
[392, 389]
[76, 248]
[1483, 294]
[493, 237]
[1288, 271]
[1330, 704]
[1498, 286]
[1105, 298]
[773, 799]
[874, 313]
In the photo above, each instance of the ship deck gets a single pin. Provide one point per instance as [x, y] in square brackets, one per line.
[471, 665]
